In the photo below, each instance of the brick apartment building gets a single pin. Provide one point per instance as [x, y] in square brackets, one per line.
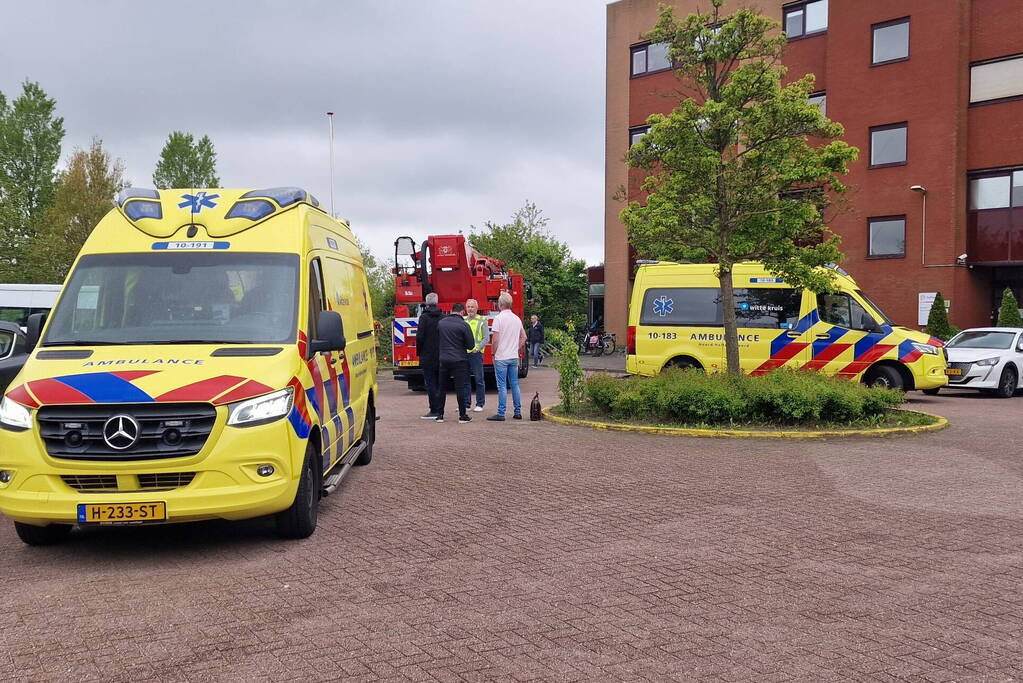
[930, 91]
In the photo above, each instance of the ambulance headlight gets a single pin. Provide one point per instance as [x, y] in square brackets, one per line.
[926, 348]
[988, 362]
[260, 410]
[14, 416]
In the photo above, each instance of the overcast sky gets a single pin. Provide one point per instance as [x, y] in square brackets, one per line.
[448, 113]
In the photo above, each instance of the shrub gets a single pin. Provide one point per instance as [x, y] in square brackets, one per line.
[1008, 312]
[937, 320]
[602, 389]
[790, 397]
[570, 376]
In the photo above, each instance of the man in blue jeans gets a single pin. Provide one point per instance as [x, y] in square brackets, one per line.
[481, 336]
[508, 340]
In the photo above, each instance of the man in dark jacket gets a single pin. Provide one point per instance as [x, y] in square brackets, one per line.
[428, 348]
[535, 337]
[455, 341]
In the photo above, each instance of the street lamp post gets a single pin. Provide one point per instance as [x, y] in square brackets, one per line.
[330, 121]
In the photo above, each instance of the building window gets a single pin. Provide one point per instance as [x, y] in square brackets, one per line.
[636, 132]
[888, 145]
[887, 236]
[891, 41]
[999, 190]
[996, 80]
[820, 99]
[649, 58]
[803, 19]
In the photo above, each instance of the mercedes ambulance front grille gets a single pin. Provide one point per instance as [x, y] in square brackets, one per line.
[91, 482]
[171, 480]
[165, 430]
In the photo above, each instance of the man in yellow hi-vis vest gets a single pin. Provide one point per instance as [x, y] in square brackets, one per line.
[481, 334]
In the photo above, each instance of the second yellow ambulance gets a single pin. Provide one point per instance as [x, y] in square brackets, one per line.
[675, 319]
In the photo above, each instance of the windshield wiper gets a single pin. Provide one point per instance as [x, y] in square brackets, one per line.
[81, 342]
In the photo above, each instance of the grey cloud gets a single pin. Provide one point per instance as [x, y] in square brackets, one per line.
[446, 113]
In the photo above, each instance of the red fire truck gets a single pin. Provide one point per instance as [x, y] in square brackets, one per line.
[448, 266]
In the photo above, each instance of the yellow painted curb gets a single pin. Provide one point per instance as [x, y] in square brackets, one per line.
[750, 433]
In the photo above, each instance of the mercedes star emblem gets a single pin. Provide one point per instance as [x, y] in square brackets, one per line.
[121, 432]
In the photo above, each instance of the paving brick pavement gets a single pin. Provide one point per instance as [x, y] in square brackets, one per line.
[524, 551]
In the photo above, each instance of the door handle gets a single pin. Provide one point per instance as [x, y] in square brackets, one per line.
[824, 336]
[793, 334]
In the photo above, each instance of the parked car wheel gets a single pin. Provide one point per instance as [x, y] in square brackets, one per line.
[1007, 383]
[42, 535]
[884, 376]
[299, 521]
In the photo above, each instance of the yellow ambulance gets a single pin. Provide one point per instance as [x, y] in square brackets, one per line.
[675, 319]
[212, 355]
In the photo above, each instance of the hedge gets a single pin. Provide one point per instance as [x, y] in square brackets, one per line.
[784, 397]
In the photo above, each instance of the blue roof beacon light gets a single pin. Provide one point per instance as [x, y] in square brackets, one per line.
[137, 209]
[284, 196]
[136, 192]
[253, 209]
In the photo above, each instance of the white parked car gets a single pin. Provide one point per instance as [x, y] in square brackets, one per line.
[986, 358]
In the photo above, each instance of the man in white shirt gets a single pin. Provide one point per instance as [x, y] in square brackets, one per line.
[508, 340]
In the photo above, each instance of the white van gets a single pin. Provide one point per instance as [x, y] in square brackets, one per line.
[17, 302]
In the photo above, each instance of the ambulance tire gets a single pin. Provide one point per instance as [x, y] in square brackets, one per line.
[931, 392]
[299, 520]
[1007, 383]
[683, 363]
[42, 535]
[369, 435]
[884, 376]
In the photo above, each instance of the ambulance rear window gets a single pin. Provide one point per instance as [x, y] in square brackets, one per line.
[698, 306]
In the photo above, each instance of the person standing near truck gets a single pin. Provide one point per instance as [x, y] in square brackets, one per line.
[428, 347]
[536, 339]
[481, 336]
[508, 340]
[455, 341]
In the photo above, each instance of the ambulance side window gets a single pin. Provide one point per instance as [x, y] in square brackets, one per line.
[767, 307]
[844, 311]
[315, 296]
[697, 306]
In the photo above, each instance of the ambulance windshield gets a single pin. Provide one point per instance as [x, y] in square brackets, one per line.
[178, 298]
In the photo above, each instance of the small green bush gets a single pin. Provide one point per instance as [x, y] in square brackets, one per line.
[1008, 312]
[937, 320]
[571, 388]
[784, 397]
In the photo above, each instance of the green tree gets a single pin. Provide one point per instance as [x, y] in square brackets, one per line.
[30, 139]
[1008, 312]
[186, 163]
[557, 280]
[381, 284]
[733, 176]
[84, 194]
[937, 320]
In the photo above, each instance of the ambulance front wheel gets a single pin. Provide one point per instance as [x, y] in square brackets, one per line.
[884, 376]
[42, 535]
[931, 392]
[299, 521]
[369, 435]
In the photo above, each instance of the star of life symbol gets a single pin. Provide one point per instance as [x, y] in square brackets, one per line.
[198, 201]
[663, 306]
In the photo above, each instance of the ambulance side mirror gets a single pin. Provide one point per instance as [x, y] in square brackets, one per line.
[34, 327]
[330, 333]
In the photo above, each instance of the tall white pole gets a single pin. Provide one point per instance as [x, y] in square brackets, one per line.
[330, 121]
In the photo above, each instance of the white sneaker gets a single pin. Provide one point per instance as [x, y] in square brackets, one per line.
[478, 409]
